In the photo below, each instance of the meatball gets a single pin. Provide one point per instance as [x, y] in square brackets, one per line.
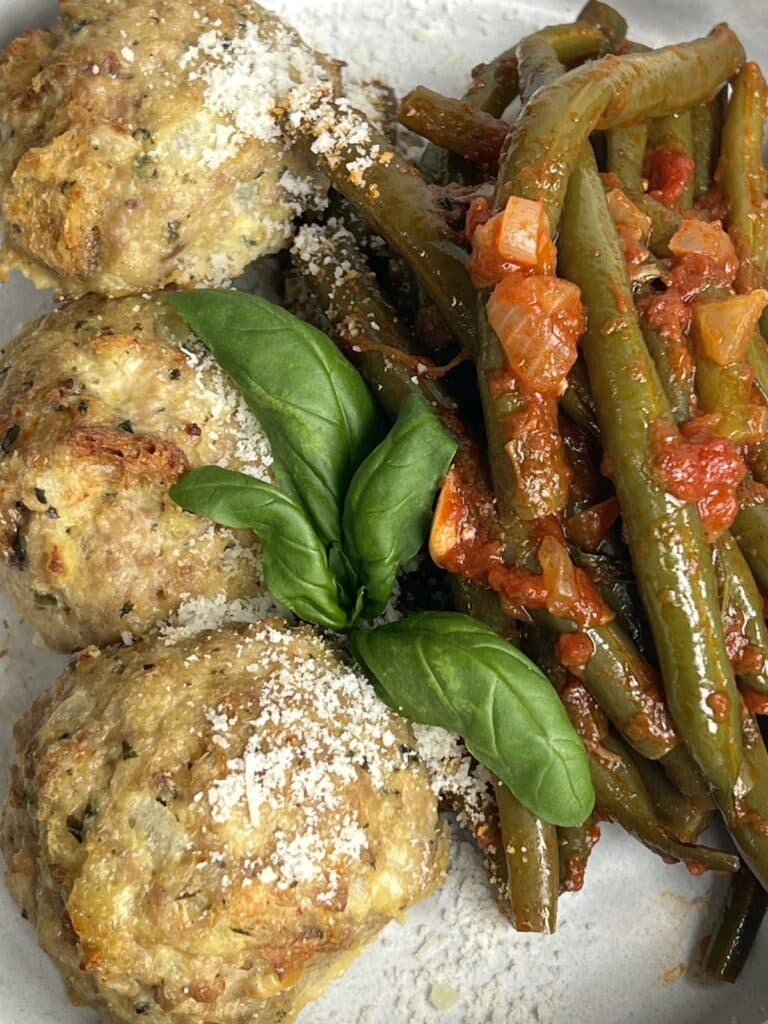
[209, 829]
[103, 406]
[138, 144]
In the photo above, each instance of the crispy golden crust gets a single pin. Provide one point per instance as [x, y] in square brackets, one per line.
[117, 176]
[103, 406]
[155, 838]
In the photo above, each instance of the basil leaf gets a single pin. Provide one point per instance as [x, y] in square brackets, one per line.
[296, 567]
[310, 401]
[446, 669]
[389, 505]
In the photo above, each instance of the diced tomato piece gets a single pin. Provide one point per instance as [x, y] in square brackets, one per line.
[538, 320]
[479, 212]
[669, 172]
[573, 651]
[696, 466]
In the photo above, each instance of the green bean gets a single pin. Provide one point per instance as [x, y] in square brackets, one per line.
[724, 391]
[356, 309]
[625, 155]
[455, 125]
[537, 65]
[530, 480]
[397, 202]
[531, 856]
[757, 357]
[751, 533]
[740, 600]
[621, 793]
[546, 142]
[676, 369]
[575, 847]
[742, 605]
[674, 133]
[484, 604]
[707, 124]
[741, 173]
[665, 538]
[677, 813]
[740, 920]
[683, 773]
[616, 582]
[578, 386]
[607, 19]
[747, 818]
[496, 84]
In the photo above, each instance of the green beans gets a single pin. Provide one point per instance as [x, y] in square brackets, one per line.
[625, 156]
[706, 121]
[360, 314]
[547, 140]
[455, 125]
[626, 153]
[674, 133]
[751, 533]
[538, 65]
[679, 815]
[496, 84]
[397, 202]
[742, 607]
[676, 369]
[621, 793]
[740, 920]
[532, 862]
[665, 539]
[741, 173]
[607, 19]
[575, 847]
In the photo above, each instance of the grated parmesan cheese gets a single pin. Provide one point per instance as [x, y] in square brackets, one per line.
[306, 760]
[197, 615]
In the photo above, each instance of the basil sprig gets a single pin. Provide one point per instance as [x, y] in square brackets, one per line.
[323, 429]
[446, 669]
[311, 402]
[345, 516]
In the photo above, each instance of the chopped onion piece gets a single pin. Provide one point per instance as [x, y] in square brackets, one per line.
[524, 237]
[538, 320]
[701, 238]
[723, 328]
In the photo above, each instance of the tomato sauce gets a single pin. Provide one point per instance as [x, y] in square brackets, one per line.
[696, 466]
[669, 173]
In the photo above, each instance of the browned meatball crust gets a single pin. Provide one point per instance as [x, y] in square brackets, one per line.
[138, 147]
[209, 830]
[103, 406]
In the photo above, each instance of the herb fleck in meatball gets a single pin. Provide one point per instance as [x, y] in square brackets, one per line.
[209, 829]
[138, 144]
[103, 406]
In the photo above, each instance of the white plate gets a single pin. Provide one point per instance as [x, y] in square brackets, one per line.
[622, 947]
